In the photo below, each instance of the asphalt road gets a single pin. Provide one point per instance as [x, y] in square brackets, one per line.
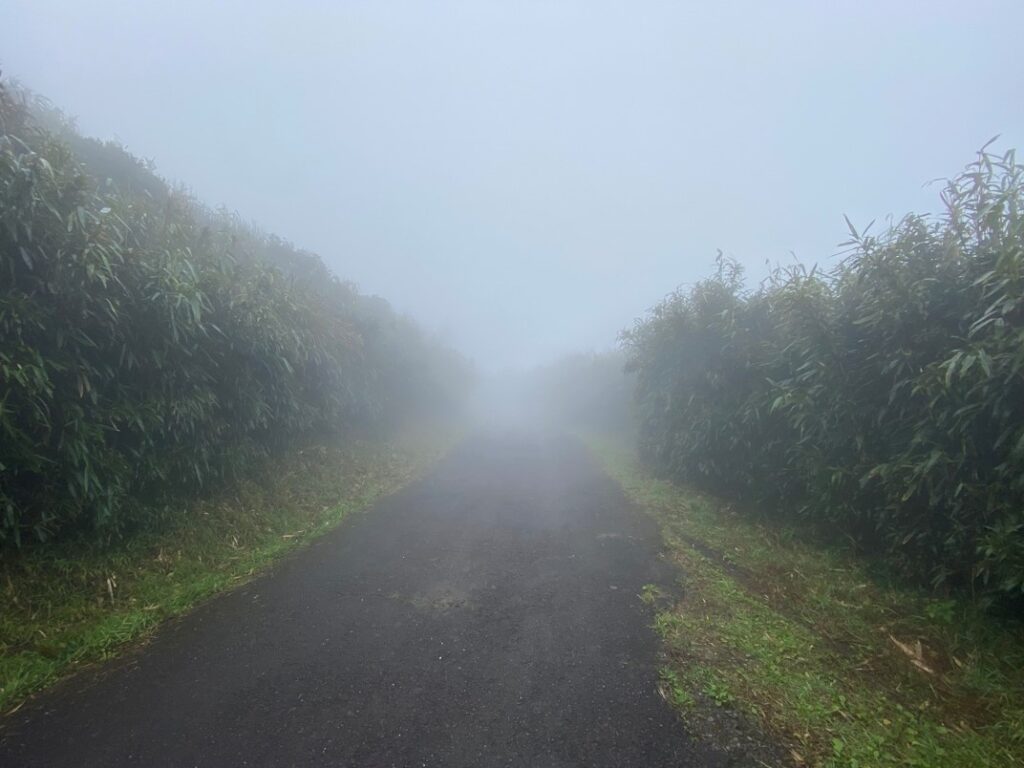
[487, 615]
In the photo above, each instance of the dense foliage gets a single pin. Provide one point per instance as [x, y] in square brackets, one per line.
[148, 343]
[883, 400]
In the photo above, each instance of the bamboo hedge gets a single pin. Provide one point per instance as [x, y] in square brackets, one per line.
[881, 401]
[149, 344]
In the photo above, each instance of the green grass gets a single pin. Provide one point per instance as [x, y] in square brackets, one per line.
[844, 667]
[83, 602]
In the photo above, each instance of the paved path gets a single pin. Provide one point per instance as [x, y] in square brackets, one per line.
[487, 615]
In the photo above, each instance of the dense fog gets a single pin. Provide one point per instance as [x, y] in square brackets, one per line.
[612, 383]
[525, 179]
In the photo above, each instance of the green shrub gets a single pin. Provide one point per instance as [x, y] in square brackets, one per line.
[147, 343]
[883, 400]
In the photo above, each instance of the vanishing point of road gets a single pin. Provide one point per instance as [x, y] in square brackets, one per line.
[486, 615]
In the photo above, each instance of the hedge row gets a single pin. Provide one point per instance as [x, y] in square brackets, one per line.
[882, 400]
[147, 343]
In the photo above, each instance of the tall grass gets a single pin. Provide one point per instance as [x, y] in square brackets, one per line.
[148, 343]
[882, 400]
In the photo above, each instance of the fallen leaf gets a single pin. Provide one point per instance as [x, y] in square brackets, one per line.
[915, 653]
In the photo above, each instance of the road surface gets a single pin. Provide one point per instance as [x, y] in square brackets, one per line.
[487, 615]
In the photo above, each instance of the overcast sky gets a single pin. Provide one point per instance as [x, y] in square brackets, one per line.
[525, 178]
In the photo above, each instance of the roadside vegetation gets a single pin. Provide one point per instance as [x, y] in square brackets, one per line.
[81, 601]
[149, 344]
[836, 459]
[182, 398]
[880, 402]
[843, 665]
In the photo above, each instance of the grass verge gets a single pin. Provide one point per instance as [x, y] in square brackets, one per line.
[845, 668]
[83, 602]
